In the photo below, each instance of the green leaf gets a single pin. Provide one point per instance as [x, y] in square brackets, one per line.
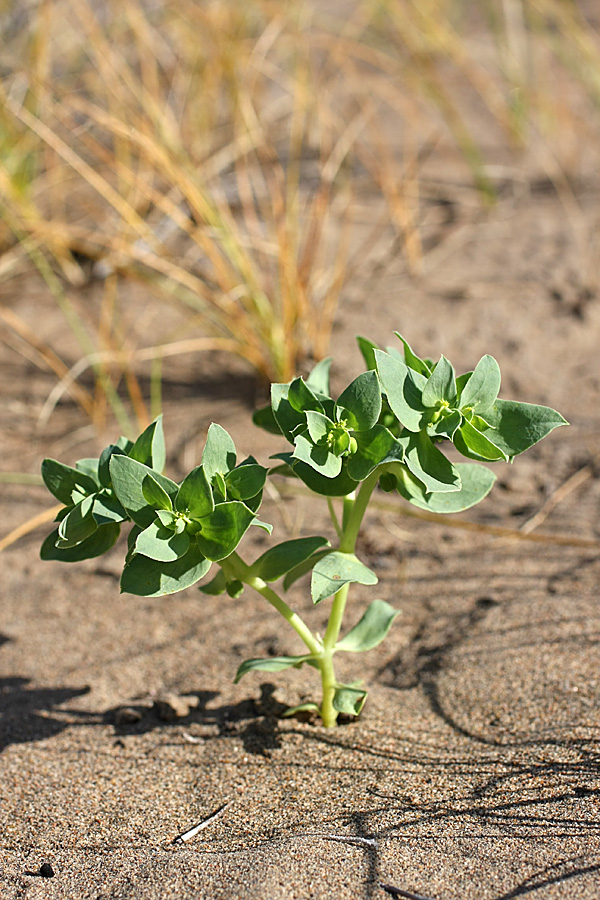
[374, 447]
[264, 418]
[195, 496]
[477, 443]
[88, 467]
[482, 388]
[154, 494]
[149, 448]
[246, 481]
[403, 388]
[63, 480]
[476, 483]
[335, 570]
[339, 486]
[146, 577]
[371, 630]
[281, 559]
[287, 418]
[219, 455]
[348, 699]
[412, 360]
[127, 476]
[360, 402]
[446, 425]
[318, 379]
[318, 425]
[302, 398]
[441, 385]
[318, 458]
[98, 543]
[107, 508]
[77, 525]
[429, 464]
[367, 348]
[272, 664]
[222, 531]
[516, 427]
[216, 586]
[235, 589]
[104, 462]
[161, 543]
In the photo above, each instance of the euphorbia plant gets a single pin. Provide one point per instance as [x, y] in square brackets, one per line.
[386, 429]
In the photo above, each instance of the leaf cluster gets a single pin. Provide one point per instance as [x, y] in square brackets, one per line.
[394, 419]
[388, 427]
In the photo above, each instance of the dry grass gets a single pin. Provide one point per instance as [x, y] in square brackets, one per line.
[213, 152]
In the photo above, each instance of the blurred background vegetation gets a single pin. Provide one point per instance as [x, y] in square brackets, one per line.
[191, 176]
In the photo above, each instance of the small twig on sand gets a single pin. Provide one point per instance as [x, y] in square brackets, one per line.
[343, 839]
[397, 892]
[192, 832]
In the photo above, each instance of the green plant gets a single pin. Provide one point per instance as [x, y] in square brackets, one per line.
[385, 429]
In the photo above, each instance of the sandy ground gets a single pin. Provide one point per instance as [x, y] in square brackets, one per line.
[474, 771]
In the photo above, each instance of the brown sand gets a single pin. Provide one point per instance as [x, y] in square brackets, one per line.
[474, 772]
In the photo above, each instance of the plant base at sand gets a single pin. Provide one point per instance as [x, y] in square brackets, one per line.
[385, 431]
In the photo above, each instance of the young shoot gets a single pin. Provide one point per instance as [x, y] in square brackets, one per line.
[387, 429]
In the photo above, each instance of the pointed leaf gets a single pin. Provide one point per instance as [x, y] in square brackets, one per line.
[482, 388]
[374, 447]
[348, 699]
[446, 425]
[339, 486]
[219, 455]
[429, 464]
[161, 543]
[62, 480]
[154, 494]
[107, 508]
[272, 664]
[127, 476]
[216, 586]
[518, 426]
[412, 360]
[318, 458]
[302, 398]
[371, 630]
[287, 418]
[149, 448]
[284, 557]
[146, 577]
[222, 531]
[195, 496]
[318, 425]
[367, 349]
[104, 462]
[335, 570]
[303, 568]
[77, 525]
[479, 444]
[99, 542]
[476, 483]
[441, 385]
[360, 402]
[246, 481]
[318, 378]
[403, 388]
[88, 467]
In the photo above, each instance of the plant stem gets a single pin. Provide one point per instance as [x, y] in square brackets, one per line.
[354, 510]
[235, 568]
